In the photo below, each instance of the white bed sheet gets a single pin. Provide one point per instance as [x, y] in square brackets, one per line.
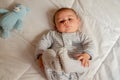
[100, 19]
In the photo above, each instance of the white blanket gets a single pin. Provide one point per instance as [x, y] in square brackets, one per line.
[101, 19]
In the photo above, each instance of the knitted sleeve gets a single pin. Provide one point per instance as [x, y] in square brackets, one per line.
[44, 43]
[87, 44]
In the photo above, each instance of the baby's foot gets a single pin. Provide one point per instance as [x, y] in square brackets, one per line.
[51, 53]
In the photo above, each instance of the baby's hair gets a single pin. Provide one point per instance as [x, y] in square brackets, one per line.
[62, 9]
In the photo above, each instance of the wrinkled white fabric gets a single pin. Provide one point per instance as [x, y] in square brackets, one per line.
[101, 19]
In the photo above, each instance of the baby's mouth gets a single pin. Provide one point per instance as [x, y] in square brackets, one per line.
[67, 26]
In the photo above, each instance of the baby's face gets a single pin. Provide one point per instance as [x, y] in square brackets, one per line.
[67, 21]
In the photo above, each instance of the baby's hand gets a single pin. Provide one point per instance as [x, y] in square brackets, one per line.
[84, 58]
[40, 63]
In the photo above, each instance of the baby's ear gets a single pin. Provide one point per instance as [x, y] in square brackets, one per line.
[55, 27]
[79, 20]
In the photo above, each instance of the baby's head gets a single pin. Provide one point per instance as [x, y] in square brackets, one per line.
[66, 20]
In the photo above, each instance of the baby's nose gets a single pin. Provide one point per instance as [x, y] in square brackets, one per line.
[66, 22]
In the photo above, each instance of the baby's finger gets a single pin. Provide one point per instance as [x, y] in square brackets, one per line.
[83, 62]
[77, 55]
[86, 63]
[80, 58]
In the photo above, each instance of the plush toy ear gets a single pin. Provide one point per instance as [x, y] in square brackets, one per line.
[27, 9]
[17, 5]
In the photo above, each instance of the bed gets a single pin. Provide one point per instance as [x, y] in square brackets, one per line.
[100, 20]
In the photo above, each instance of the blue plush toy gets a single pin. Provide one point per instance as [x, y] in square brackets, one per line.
[12, 19]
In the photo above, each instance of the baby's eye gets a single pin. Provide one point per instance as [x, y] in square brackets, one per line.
[70, 19]
[62, 21]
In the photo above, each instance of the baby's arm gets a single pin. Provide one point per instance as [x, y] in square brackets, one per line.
[88, 50]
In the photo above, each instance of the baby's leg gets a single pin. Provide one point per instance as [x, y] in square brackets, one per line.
[50, 60]
[51, 63]
[69, 64]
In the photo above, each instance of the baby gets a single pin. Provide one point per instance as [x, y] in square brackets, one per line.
[65, 51]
